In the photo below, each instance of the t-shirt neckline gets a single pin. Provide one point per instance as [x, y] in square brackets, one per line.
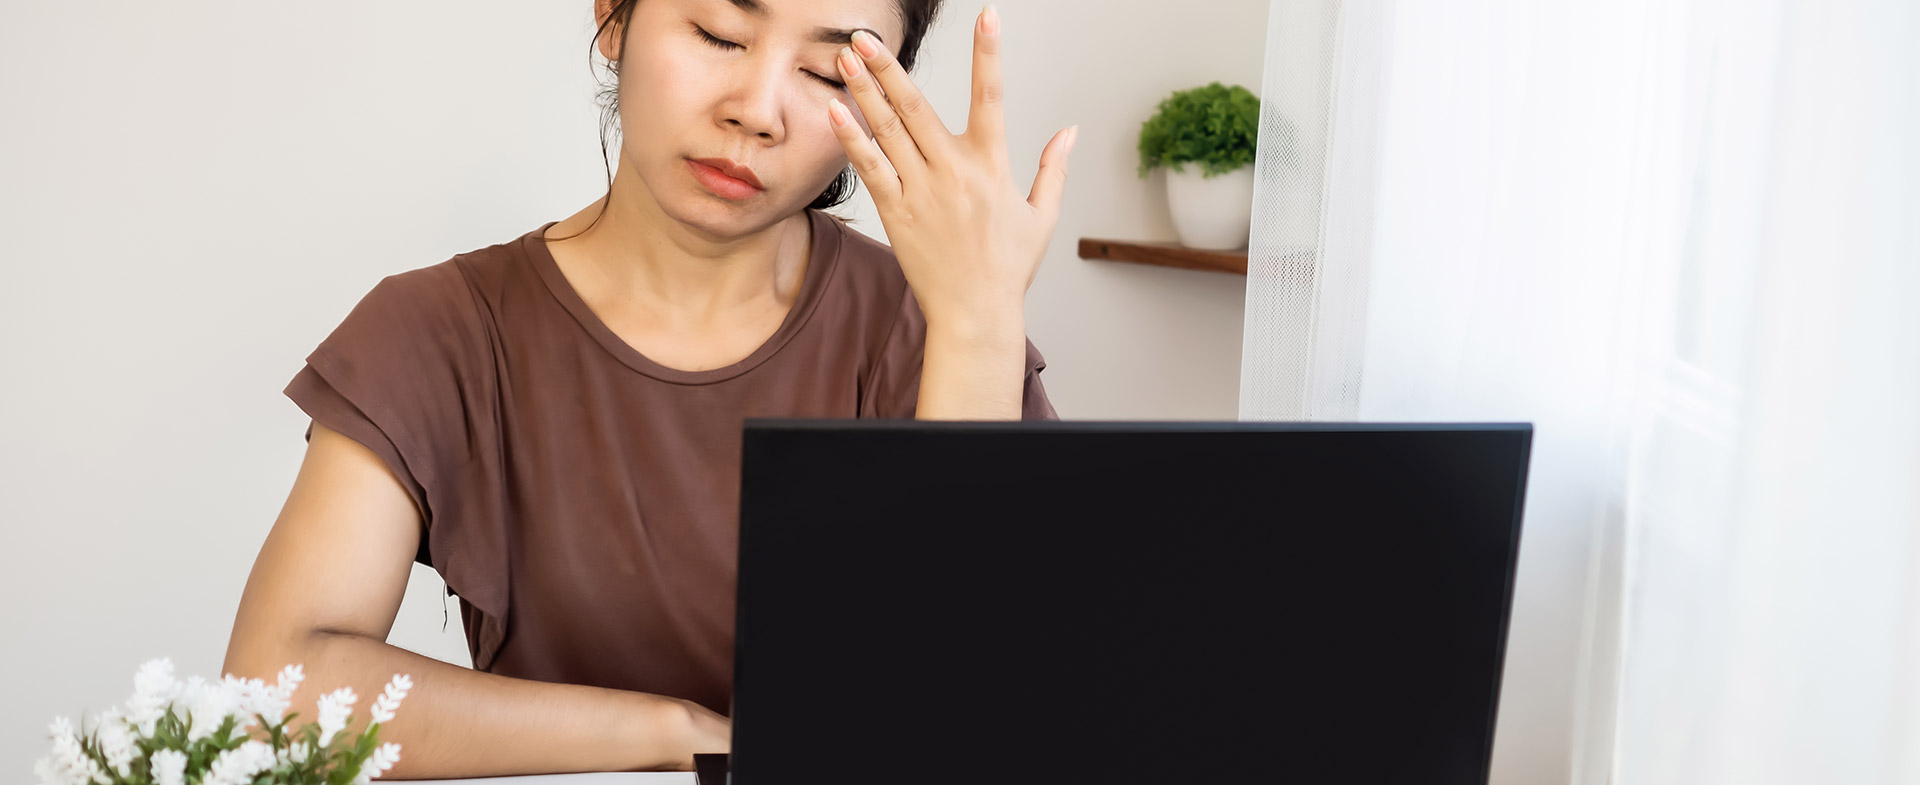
[825, 256]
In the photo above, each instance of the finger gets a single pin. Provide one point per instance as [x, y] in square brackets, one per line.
[1050, 183]
[889, 131]
[872, 165]
[986, 118]
[908, 102]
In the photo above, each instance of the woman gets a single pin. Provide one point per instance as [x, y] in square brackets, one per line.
[553, 422]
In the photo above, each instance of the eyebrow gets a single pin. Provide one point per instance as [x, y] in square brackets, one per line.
[825, 35]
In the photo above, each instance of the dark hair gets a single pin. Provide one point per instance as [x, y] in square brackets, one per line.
[915, 17]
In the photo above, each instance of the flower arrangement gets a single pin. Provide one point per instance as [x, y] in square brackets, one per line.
[197, 733]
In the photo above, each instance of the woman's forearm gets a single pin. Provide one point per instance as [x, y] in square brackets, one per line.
[974, 369]
[459, 722]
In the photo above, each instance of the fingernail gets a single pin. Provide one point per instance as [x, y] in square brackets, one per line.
[990, 19]
[865, 43]
[849, 61]
[1073, 135]
[838, 112]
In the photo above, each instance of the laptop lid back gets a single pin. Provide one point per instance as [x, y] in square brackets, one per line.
[1123, 602]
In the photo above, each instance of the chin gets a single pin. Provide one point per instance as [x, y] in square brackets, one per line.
[722, 217]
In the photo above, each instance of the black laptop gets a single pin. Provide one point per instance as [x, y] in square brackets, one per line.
[1121, 602]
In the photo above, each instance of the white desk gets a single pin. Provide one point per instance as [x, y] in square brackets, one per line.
[595, 778]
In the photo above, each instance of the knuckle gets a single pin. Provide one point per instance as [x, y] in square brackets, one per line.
[888, 126]
[912, 105]
[992, 92]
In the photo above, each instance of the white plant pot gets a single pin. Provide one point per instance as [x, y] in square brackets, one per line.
[1215, 212]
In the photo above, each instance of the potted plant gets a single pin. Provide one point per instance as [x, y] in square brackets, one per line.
[1214, 127]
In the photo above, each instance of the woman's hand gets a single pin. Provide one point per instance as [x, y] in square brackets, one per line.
[968, 243]
[709, 732]
[669, 731]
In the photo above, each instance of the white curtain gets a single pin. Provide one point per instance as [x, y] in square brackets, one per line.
[1681, 237]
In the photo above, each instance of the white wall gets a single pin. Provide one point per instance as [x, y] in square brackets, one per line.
[193, 193]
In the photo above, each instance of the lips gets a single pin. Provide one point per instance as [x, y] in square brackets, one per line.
[731, 169]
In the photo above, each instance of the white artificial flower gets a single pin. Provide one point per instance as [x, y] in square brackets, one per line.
[238, 766]
[168, 767]
[389, 701]
[188, 695]
[210, 707]
[154, 687]
[280, 697]
[335, 708]
[117, 741]
[299, 750]
[69, 765]
[188, 692]
[251, 698]
[383, 758]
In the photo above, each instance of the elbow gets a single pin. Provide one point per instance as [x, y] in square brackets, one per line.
[262, 653]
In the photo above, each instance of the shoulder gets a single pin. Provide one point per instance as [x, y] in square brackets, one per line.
[432, 304]
[412, 362]
[435, 287]
[417, 324]
[869, 289]
[448, 303]
[455, 289]
[865, 264]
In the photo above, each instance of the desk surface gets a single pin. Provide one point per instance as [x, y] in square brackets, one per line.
[593, 778]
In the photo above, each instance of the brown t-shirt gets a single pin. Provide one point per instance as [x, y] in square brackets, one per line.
[581, 499]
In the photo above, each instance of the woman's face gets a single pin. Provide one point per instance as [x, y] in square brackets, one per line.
[758, 98]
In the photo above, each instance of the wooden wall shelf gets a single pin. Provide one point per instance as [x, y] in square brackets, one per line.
[1164, 254]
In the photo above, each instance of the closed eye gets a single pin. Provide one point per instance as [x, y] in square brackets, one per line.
[729, 45]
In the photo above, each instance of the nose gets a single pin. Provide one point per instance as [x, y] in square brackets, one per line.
[754, 98]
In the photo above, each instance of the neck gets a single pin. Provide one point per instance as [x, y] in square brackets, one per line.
[707, 264]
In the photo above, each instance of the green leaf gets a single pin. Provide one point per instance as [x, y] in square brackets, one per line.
[1214, 125]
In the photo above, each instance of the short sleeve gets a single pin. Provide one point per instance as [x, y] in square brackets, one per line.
[409, 373]
[327, 405]
[893, 389]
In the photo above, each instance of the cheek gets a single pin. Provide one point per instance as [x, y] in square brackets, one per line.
[821, 149]
[662, 83]
[814, 137]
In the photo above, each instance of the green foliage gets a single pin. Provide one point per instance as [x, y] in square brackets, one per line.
[1214, 125]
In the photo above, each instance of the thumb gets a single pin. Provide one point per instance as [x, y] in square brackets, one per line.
[1050, 183]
